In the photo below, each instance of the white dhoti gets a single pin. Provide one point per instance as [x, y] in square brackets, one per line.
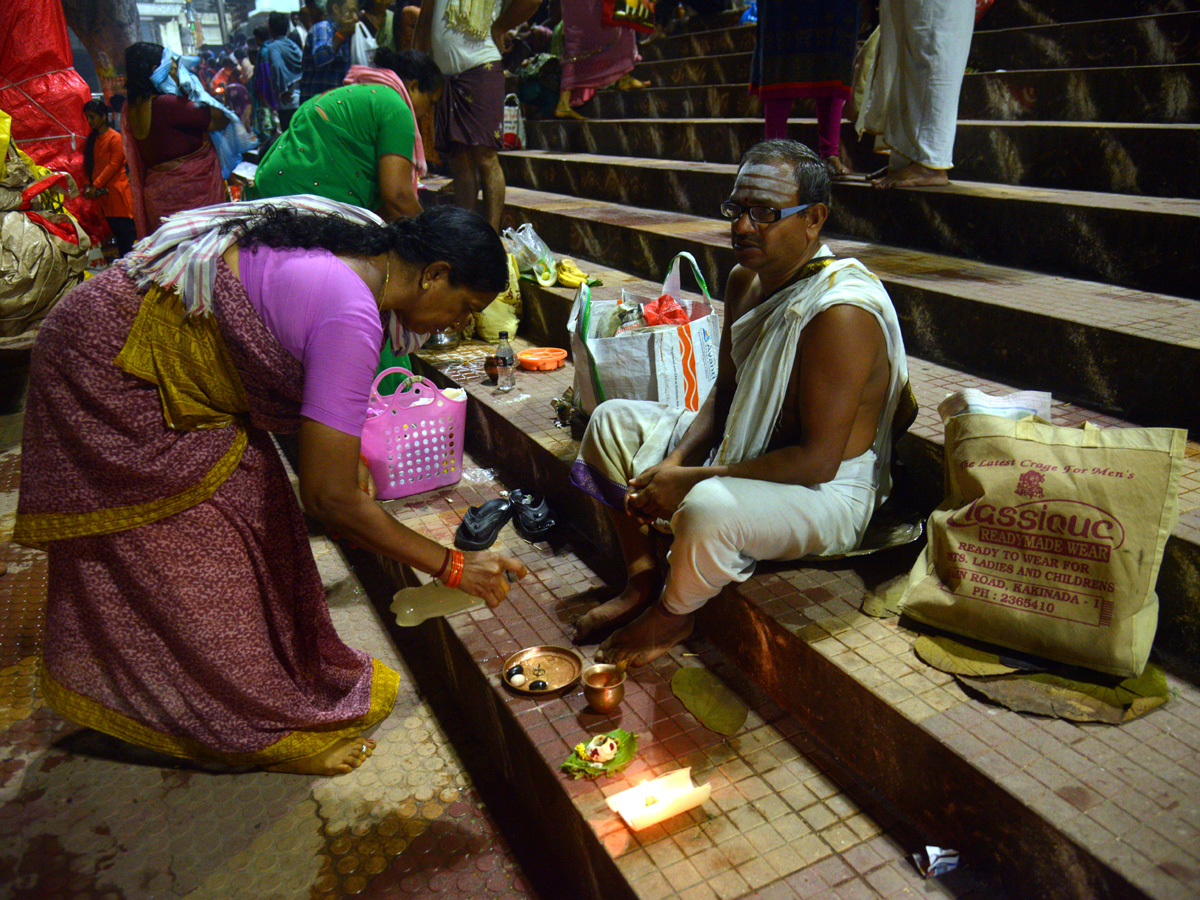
[724, 525]
[912, 93]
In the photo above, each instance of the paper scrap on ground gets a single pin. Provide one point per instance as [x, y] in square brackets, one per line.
[936, 861]
[1103, 699]
[884, 601]
[578, 766]
[709, 700]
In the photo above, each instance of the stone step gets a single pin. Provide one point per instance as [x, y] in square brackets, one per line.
[1017, 13]
[782, 817]
[1148, 93]
[1162, 39]
[544, 322]
[1051, 808]
[1076, 338]
[1118, 158]
[979, 221]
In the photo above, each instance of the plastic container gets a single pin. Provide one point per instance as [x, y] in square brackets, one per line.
[542, 359]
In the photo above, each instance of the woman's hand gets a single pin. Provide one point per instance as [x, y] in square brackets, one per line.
[486, 575]
[657, 492]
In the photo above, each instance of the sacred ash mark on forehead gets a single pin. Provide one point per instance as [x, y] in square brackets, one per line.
[765, 182]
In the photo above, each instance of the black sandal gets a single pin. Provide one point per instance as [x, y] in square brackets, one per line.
[481, 524]
[531, 515]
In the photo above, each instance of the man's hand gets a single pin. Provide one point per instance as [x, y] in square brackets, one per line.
[502, 39]
[657, 492]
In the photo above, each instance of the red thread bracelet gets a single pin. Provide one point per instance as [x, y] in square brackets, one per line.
[445, 563]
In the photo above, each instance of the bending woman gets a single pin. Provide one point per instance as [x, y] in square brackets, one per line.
[359, 143]
[185, 611]
[173, 165]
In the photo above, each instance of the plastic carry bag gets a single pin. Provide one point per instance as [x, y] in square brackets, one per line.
[512, 134]
[674, 364]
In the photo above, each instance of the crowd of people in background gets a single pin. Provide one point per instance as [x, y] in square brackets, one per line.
[451, 58]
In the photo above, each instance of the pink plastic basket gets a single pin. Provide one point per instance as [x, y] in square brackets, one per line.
[413, 440]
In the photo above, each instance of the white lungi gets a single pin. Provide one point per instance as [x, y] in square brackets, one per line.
[912, 94]
[724, 525]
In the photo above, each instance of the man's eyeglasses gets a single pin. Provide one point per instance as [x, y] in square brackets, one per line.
[762, 215]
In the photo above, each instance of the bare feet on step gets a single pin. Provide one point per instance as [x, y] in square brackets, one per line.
[651, 635]
[340, 759]
[836, 168]
[640, 592]
[565, 112]
[913, 175]
[629, 83]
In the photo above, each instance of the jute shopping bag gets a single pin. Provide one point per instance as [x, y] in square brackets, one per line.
[1050, 539]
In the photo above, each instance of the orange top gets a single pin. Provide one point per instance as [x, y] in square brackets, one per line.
[108, 171]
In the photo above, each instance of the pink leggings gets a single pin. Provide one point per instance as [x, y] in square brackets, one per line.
[829, 122]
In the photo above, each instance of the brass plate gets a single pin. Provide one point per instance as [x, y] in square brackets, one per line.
[559, 668]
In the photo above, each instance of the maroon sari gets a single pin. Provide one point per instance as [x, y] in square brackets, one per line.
[203, 632]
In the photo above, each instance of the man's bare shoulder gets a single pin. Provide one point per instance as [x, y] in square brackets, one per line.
[741, 291]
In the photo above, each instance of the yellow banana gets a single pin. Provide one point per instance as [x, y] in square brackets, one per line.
[569, 274]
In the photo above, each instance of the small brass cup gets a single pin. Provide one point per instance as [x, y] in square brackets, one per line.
[603, 687]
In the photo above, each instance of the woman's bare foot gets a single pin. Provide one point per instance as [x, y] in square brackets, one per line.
[343, 757]
[836, 168]
[629, 83]
[565, 112]
[651, 635]
[642, 590]
[914, 175]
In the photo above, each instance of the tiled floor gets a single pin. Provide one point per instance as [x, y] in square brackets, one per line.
[85, 816]
[778, 824]
[1131, 795]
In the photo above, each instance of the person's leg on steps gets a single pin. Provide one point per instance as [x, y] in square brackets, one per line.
[491, 178]
[466, 181]
[829, 134]
[775, 115]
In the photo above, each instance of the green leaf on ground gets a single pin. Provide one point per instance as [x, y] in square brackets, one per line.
[709, 700]
[958, 659]
[1078, 701]
[884, 602]
[577, 767]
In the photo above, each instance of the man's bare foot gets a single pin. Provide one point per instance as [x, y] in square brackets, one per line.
[836, 168]
[651, 635]
[343, 757]
[642, 590]
[565, 112]
[914, 175]
[629, 83]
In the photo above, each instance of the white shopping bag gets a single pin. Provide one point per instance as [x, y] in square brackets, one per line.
[673, 364]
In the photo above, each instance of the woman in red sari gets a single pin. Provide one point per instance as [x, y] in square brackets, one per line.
[184, 611]
[172, 163]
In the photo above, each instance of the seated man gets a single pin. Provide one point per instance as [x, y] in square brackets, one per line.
[789, 454]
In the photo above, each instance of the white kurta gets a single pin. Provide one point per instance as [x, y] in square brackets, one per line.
[912, 93]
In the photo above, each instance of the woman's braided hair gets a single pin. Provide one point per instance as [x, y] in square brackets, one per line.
[449, 234]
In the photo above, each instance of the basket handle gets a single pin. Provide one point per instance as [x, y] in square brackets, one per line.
[410, 378]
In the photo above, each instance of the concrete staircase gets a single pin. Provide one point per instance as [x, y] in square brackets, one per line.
[1062, 258]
